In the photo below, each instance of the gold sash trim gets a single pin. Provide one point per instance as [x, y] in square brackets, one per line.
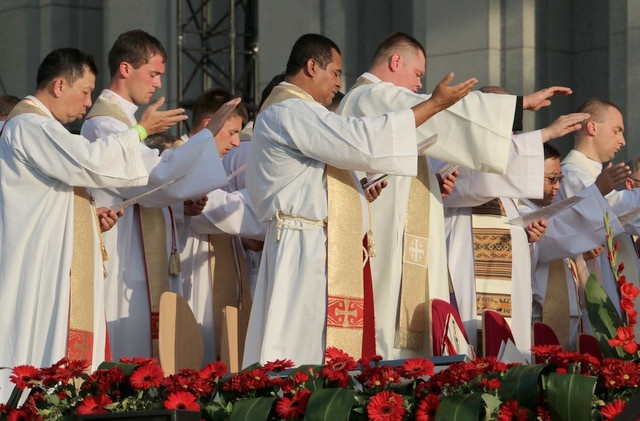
[105, 107]
[80, 331]
[413, 315]
[80, 339]
[230, 282]
[283, 92]
[493, 258]
[156, 260]
[556, 308]
[152, 229]
[345, 293]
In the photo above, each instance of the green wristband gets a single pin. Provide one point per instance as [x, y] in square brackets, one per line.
[141, 131]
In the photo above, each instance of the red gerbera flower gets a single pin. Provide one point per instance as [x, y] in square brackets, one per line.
[213, 371]
[146, 376]
[300, 377]
[24, 414]
[386, 406]
[611, 410]
[182, 400]
[138, 360]
[23, 375]
[511, 411]
[417, 367]
[293, 407]
[338, 365]
[94, 405]
[427, 408]
[278, 365]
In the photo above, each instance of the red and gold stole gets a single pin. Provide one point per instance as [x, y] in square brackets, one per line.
[80, 330]
[345, 291]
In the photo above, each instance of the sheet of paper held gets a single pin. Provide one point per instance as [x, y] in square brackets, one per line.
[129, 202]
[423, 145]
[447, 169]
[545, 213]
[627, 217]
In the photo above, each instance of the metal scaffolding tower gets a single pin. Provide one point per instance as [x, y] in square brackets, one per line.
[218, 47]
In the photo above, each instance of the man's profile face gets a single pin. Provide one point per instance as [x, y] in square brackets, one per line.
[229, 135]
[144, 80]
[76, 98]
[411, 70]
[328, 80]
[609, 136]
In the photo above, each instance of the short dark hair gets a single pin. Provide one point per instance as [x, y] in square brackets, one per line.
[210, 101]
[135, 47]
[634, 164]
[491, 89]
[70, 63]
[275, 81]
[7, 102]
[550, 152]
[597, 107]
[396, 41]
[310, 46]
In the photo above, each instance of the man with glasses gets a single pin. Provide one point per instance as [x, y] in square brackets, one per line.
[578, 230]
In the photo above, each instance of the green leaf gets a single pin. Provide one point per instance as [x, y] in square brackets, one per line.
[492, 402]
[127, 369]
[256, 409]
[631, 411]
[214, 412]
[523, 383]
[329, 404]
[603, 316]
[461, 407]
[570, 396]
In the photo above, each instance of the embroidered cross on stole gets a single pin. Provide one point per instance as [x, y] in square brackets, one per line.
[153, 233]
[345, 292]
[413, 315]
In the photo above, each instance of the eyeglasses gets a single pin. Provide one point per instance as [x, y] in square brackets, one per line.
[634, 179]
[554, 180]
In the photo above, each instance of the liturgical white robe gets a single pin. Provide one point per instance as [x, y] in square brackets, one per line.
[569, 233]
[523, 178]
[579, 173]
[127, 304]
[40, 163]
[474, 132]
[292, 143]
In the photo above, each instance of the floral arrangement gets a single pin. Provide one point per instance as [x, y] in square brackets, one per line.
[616, 335]
[568, 386]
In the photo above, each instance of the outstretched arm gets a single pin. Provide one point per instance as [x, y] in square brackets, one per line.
[541, 98]
[563, 125]
[442, 98]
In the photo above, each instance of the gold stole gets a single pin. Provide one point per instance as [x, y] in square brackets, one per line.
[345, 293]
[413, 315]
[493, 259]
[80, 344]
[80, 330]
[230, 283]
[153, 232]
[556, 308]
